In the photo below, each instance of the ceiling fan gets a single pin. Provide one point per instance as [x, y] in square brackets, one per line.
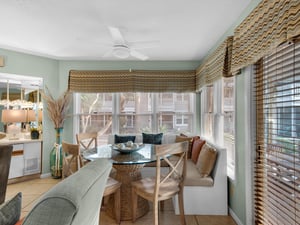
[123, 49]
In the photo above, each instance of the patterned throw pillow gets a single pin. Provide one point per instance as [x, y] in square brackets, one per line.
[155, 139]
[10, 210]
[123, 139]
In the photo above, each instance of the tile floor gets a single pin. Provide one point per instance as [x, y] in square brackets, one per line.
[33, 189]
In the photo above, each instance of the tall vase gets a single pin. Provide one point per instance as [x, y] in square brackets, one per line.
[56, 158]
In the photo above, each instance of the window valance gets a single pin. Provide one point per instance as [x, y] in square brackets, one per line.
[271, 23]
[131, 81]
[216, 65]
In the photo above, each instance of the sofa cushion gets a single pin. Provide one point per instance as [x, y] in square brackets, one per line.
[152, 138]
[206, 160]
[197, 146]
[123, 139]
[10, 210]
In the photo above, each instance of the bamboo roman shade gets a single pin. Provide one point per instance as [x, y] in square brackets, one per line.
[271, 23]
[277, 161]
[131, 81]
[216, 65]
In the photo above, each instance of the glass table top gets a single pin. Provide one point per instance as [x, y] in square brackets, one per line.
[145, 154]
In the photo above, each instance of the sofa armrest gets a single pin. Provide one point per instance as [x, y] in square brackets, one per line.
[75, 200]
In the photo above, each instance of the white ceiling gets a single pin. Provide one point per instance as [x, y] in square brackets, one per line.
[78, 30]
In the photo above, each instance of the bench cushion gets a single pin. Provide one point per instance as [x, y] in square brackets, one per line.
[193, 177]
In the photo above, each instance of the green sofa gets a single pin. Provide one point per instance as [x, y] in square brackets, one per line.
[75, 200]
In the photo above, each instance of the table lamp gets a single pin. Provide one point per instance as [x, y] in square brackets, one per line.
[13, 116]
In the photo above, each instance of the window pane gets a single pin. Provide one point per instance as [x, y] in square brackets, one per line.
[95, 114]
[135, 113]
[175, 112]
[229, 122]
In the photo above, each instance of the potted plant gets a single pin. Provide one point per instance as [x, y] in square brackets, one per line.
[57, 112]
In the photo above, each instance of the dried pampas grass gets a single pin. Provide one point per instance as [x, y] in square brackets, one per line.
[57, 108]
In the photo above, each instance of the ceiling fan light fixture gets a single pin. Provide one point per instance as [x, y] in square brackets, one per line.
[121, 51]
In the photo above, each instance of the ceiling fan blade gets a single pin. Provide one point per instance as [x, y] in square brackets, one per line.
[138, 55]
[117, 36]
[143, 44]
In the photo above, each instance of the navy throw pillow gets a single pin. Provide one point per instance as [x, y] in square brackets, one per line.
[123, 139]
[155, 139]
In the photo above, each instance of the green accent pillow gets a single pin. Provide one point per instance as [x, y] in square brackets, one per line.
[123, 139]
[155, 139]
[10, 210]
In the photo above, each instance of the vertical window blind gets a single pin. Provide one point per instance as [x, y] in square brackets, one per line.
[277, 162]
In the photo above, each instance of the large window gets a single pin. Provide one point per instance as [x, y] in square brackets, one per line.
[130, 113]
[218, 117]
[277, 164]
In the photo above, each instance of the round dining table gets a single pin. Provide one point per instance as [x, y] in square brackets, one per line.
[128, 165]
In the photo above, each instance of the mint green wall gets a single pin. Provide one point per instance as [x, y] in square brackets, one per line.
[25, 64]
[236, 188]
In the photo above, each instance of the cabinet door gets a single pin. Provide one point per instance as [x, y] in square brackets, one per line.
[32, 158]
[17, 162]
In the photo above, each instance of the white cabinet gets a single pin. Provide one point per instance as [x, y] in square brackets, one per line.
[26, 159]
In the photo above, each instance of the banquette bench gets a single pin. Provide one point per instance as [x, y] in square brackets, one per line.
[203, 195]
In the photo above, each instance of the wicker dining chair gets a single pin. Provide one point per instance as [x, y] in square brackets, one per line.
[5, 159]
[164, 185]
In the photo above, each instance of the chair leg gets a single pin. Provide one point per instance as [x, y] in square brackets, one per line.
[181, 208]
[155, 212]
[134, 197]
[117, 199]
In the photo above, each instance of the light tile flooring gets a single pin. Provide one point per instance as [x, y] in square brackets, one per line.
[33, 189]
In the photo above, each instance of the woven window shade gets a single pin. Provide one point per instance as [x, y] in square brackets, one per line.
[217, 65]
[277, 161]
[271, 23]
[131, 81]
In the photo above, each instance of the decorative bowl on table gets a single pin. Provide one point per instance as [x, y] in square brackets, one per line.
[127, 147]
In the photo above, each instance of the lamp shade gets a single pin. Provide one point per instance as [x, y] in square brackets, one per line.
[40, 115]
[30, 115]
[13, 115]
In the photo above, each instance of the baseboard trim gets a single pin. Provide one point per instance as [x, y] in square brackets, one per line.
[234, 216]
[45, 175]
